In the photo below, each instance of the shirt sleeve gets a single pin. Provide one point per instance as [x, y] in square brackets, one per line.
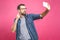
[36, 16]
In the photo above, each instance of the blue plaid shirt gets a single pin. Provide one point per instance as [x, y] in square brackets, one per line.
[30, 26]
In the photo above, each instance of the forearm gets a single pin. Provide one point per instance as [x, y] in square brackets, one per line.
[14, 26]
[45, 13]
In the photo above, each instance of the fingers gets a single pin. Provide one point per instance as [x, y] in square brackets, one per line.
[46, 5]
[18, 16]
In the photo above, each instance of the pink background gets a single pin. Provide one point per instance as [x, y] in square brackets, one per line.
[47, 28]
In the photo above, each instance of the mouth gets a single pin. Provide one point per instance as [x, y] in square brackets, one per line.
[23, 13]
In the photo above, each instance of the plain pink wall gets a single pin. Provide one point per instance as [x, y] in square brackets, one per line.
[47, 28]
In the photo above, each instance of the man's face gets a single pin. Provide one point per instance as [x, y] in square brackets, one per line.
[22, 10]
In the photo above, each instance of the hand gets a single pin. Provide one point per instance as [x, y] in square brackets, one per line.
[46, 5]
[18, 16]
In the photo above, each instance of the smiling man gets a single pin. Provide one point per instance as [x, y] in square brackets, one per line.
[23, 23]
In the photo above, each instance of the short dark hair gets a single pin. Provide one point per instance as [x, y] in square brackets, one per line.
[18, 7]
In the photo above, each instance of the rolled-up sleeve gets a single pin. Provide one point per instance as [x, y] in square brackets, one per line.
[36, 16]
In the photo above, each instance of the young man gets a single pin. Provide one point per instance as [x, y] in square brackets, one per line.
[23, 23]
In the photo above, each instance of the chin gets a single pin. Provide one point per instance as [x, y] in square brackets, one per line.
[23, 13]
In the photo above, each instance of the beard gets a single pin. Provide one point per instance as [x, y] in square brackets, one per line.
[23, 13]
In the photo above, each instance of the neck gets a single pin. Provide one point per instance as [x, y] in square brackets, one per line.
[22, 14]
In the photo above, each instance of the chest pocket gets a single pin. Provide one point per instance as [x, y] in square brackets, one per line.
[30, 20]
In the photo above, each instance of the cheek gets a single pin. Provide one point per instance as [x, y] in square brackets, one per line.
[22, 10]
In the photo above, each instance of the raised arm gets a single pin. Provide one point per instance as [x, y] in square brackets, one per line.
[47, 6]
[13, 28]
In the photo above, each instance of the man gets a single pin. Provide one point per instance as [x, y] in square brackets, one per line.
[23, 23]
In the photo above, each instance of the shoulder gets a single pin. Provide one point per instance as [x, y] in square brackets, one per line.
[30, 14]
